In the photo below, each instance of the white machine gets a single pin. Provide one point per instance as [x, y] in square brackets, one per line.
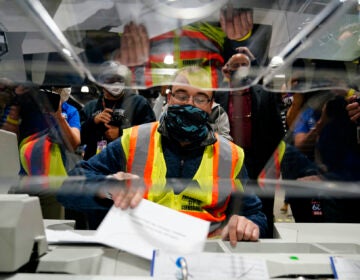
[22, 236]
[9, 160]
[298, 249]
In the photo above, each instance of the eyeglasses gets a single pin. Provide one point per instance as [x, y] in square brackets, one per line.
[197, 99]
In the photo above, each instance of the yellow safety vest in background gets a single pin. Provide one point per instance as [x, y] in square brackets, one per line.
[198, 44]
[272, 169]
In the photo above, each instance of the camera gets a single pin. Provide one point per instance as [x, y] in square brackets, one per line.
[357, 99]
[48, 101]
[117, 117]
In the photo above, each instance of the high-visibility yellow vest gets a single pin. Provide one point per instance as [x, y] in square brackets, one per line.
[39, 156]
[272, 169]
[196, 44]
[209, 197]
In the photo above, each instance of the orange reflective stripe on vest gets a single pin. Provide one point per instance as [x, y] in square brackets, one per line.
[272, 169]
[39, 156]
[189, 47]
[143, 150]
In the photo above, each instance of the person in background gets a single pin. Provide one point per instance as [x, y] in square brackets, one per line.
[72, 117]
[254, 115]
[219, 121]
[160, 102]
[49, 134]
[61, 127]
[181, 145]
[337, 146]
[308, 125]
[292, 103]
[153, 60]
[337, 156]
[255, 121]
[117, 107]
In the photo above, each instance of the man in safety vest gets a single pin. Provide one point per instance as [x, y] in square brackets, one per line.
[154, 59]
[207, 44]
[181, 145]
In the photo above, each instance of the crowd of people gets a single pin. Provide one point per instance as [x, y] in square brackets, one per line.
[129, 151]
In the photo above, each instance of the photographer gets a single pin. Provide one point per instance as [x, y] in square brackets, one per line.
[48, 121]
[118, 107]
[49, 133]
[68, 119]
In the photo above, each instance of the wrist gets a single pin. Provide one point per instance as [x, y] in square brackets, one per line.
[350, 93]
[12, 121]
[247, 36]
[95, 120]
[60, 117]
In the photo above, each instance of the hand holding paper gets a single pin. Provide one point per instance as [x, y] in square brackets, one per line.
[151, 226]
[146, 228]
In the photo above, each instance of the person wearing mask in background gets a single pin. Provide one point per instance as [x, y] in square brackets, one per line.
[255, 121]
[181, 145]
[63, 129]
[49, 133]
[71, 115]
[118, 107]
[254, 115]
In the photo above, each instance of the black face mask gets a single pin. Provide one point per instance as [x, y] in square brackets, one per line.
[186, 123]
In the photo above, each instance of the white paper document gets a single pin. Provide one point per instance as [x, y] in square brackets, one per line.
[209, 266]
[142, 230]
[345, 268]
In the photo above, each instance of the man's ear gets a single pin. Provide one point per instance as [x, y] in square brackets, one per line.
[165, 90]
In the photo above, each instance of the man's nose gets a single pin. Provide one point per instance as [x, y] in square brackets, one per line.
[190, 100]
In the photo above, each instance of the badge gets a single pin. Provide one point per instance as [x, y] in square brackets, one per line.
[101, 145]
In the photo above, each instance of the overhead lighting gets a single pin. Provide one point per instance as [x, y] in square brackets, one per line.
[280, 76]
[84, 89]
[169, 59]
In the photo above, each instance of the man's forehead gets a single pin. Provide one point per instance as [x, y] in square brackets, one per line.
[240, 58]
[186, 87]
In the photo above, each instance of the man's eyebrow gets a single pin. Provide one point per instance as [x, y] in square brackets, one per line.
[203, 93]
[181, 90]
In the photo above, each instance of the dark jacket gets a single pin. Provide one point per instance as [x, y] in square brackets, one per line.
[267, 129]
[137, 110]
[180, 163]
